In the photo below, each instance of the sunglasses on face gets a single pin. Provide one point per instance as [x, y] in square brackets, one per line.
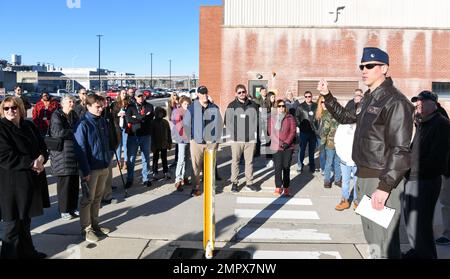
[241, 92]
[323, 102]
[369, 66]
[281, 106]
[308, 97]
[13, 108]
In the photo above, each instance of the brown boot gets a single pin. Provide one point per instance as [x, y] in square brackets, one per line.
[344, 204]
[355, 204]
[327, 185]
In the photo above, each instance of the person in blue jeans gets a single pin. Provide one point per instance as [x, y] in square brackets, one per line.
[343, 141]
[308, 131]
[182, 141]
[139, 116]
[327, 132]
[118, 109]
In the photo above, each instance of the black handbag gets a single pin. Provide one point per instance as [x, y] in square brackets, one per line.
[53, 144]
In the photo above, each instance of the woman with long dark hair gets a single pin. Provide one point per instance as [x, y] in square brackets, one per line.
[118, 109]
[282, 131]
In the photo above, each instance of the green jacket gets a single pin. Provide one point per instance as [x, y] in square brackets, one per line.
[328, 130]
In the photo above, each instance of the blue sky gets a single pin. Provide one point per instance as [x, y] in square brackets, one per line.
[48, 31]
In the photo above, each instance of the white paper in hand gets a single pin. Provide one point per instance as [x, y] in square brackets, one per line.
[382, 217]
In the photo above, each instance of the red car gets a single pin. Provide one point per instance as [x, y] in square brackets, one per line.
[112, 93]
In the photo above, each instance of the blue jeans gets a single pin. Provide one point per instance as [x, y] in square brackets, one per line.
[332, 158]
[180, 171]
[322, 156]
[133, 143]
[307, 139]
[346, 177]
[123, 143]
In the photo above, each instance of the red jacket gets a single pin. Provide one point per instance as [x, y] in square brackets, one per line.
[42, 116]
[286, 134]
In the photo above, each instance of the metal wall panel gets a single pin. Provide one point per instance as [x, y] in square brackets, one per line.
[433, 14]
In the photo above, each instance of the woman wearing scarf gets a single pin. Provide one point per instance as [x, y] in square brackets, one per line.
[282, 130]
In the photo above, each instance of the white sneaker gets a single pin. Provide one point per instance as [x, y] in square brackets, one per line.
[269, 164]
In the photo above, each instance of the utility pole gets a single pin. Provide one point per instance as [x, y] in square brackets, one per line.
[99, 78]
[170, 73]
[151, 70]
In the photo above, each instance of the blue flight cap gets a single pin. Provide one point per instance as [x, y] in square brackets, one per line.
[374, 54]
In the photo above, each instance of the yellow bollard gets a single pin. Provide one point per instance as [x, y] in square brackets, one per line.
[209, 181]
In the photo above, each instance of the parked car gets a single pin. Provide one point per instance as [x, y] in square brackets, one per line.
[2, 97]
[33, 97]
[112, 93]
[193, 93]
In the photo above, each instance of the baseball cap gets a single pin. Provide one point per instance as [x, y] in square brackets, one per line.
[425, 95]
[202, 90]
[139, 93]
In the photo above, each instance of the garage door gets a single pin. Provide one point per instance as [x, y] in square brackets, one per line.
[342, 90]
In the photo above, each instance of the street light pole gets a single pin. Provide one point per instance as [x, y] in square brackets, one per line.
[170, 73]
[99, 78]
[73, 69]
[151, 70]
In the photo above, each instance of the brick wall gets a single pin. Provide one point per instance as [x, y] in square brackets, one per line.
[211, 19]
[236, 55]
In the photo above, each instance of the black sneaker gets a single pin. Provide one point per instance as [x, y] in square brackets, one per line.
[195, 192]
[218, 177]
[253, 188]
[128, 185]
[234, 188]
[111, 201]
[148, 183]
[443, 241]
[36, 255]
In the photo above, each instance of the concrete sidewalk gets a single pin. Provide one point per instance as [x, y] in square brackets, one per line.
[153, 222]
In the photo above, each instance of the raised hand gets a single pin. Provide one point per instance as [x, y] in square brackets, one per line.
[323, 87]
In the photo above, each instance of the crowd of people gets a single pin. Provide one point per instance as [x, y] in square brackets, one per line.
[369, 141]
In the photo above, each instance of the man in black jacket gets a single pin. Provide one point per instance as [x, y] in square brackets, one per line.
[429, 162]
[444, 197]
[241, 119]
[139, 116]
[356, 101]
[306, 121]
[80, 107]
[381, 146]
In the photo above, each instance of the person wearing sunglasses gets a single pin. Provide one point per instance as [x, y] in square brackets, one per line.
[80, 107]
[23, 188]
[430, 154]
[139, 118]
[327, 131]
[282, 130]
[381, 146]
[241, 119]
[18, 92]
[308, 125]
[42, 112]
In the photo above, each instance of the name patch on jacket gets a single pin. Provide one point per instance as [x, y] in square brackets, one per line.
[373, 110]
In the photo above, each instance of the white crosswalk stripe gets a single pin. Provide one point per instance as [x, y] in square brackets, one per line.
[274, 201]
[296, 254]
[276, 214]
[266, 233]
[277, 234]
